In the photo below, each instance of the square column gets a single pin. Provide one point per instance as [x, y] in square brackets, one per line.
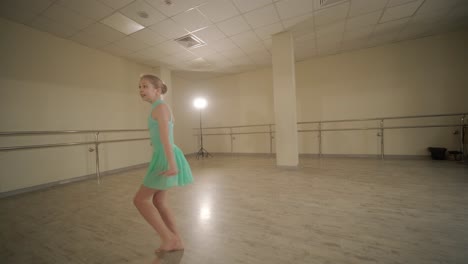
[284, 93]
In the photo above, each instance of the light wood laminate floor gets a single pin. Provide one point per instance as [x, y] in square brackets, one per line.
[243, 209]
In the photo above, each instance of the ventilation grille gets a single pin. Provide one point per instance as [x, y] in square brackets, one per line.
[320, 4]
[190, 41]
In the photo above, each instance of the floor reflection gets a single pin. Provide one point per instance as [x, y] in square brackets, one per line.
[173, 257]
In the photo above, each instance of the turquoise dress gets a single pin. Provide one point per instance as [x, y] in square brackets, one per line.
[159, 162]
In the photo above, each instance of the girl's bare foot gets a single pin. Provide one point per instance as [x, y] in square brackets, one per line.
[171, 245]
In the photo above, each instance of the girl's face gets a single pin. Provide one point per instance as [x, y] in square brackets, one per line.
[148, 92]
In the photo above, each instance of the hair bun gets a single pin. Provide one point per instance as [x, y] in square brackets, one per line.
[163, 88]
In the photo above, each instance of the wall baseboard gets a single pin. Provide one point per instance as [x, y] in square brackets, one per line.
[310, 155]
[68, 181]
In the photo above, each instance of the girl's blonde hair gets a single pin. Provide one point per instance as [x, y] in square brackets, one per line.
[154, 80]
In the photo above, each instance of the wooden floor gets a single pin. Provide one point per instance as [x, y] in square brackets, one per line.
[245, 210]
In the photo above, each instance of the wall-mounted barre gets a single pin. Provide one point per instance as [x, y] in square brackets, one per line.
[96, 141]
[381, 128]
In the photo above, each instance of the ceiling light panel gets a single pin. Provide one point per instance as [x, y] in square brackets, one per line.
[122, 23]
[142, 13]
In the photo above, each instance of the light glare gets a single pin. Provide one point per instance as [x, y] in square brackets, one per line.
[199, 103]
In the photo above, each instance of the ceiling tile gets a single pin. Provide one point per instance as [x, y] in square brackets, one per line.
[203, 51]
[245, 38]
[170, 47]
[176, 7]
[263, 16]
[358, 33]
[151, 53]
[139, 8]
[381, 39]
[232, 53]
[122, 23]
[243, 60]
[412, 31]
[363, 20]
[191, 20]
[89, 8]
[218, 10]
[254, 47]
[209, 34]
[99, 30]
[268, 43]
[36, 6]
[430, 6]
[56, 28]
[17, 15]
[131, 44]
[327, 46]
[67, 16]
[400, 11]
[23, 11]
[304, 52]
[390, 27]
[354, 44]
[116, 4]
[118, 51]
[88, 40]
[359, 7]
[292, 22]
[148, 36]
[392, 3]
[249, 5]
[336, 29]
[331, 14]
[222, 44]
[304, 36]
[233, 26]
[267, 31]
[169, 29]
[293, 8]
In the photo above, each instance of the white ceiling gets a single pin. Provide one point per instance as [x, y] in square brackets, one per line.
[237, 32]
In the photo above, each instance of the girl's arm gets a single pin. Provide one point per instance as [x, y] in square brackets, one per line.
[162, 114]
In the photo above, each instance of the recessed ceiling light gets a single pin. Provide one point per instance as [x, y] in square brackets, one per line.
[142, 14]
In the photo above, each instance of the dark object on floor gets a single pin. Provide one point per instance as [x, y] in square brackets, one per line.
[457, 155]
[437, 153]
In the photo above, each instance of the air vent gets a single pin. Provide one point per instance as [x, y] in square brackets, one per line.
[190, 41]
[320, 4]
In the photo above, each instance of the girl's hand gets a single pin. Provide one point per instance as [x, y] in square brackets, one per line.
[170, 172]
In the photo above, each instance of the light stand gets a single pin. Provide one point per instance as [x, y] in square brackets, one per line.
[200, 103]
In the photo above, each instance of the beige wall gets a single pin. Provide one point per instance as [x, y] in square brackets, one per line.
[232, 100]
[417, 77]
[47, 83]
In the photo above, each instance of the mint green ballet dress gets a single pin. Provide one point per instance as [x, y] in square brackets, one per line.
[159, 162]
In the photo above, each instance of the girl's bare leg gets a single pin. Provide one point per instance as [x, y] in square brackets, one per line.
[144, 204]
[159, 201]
